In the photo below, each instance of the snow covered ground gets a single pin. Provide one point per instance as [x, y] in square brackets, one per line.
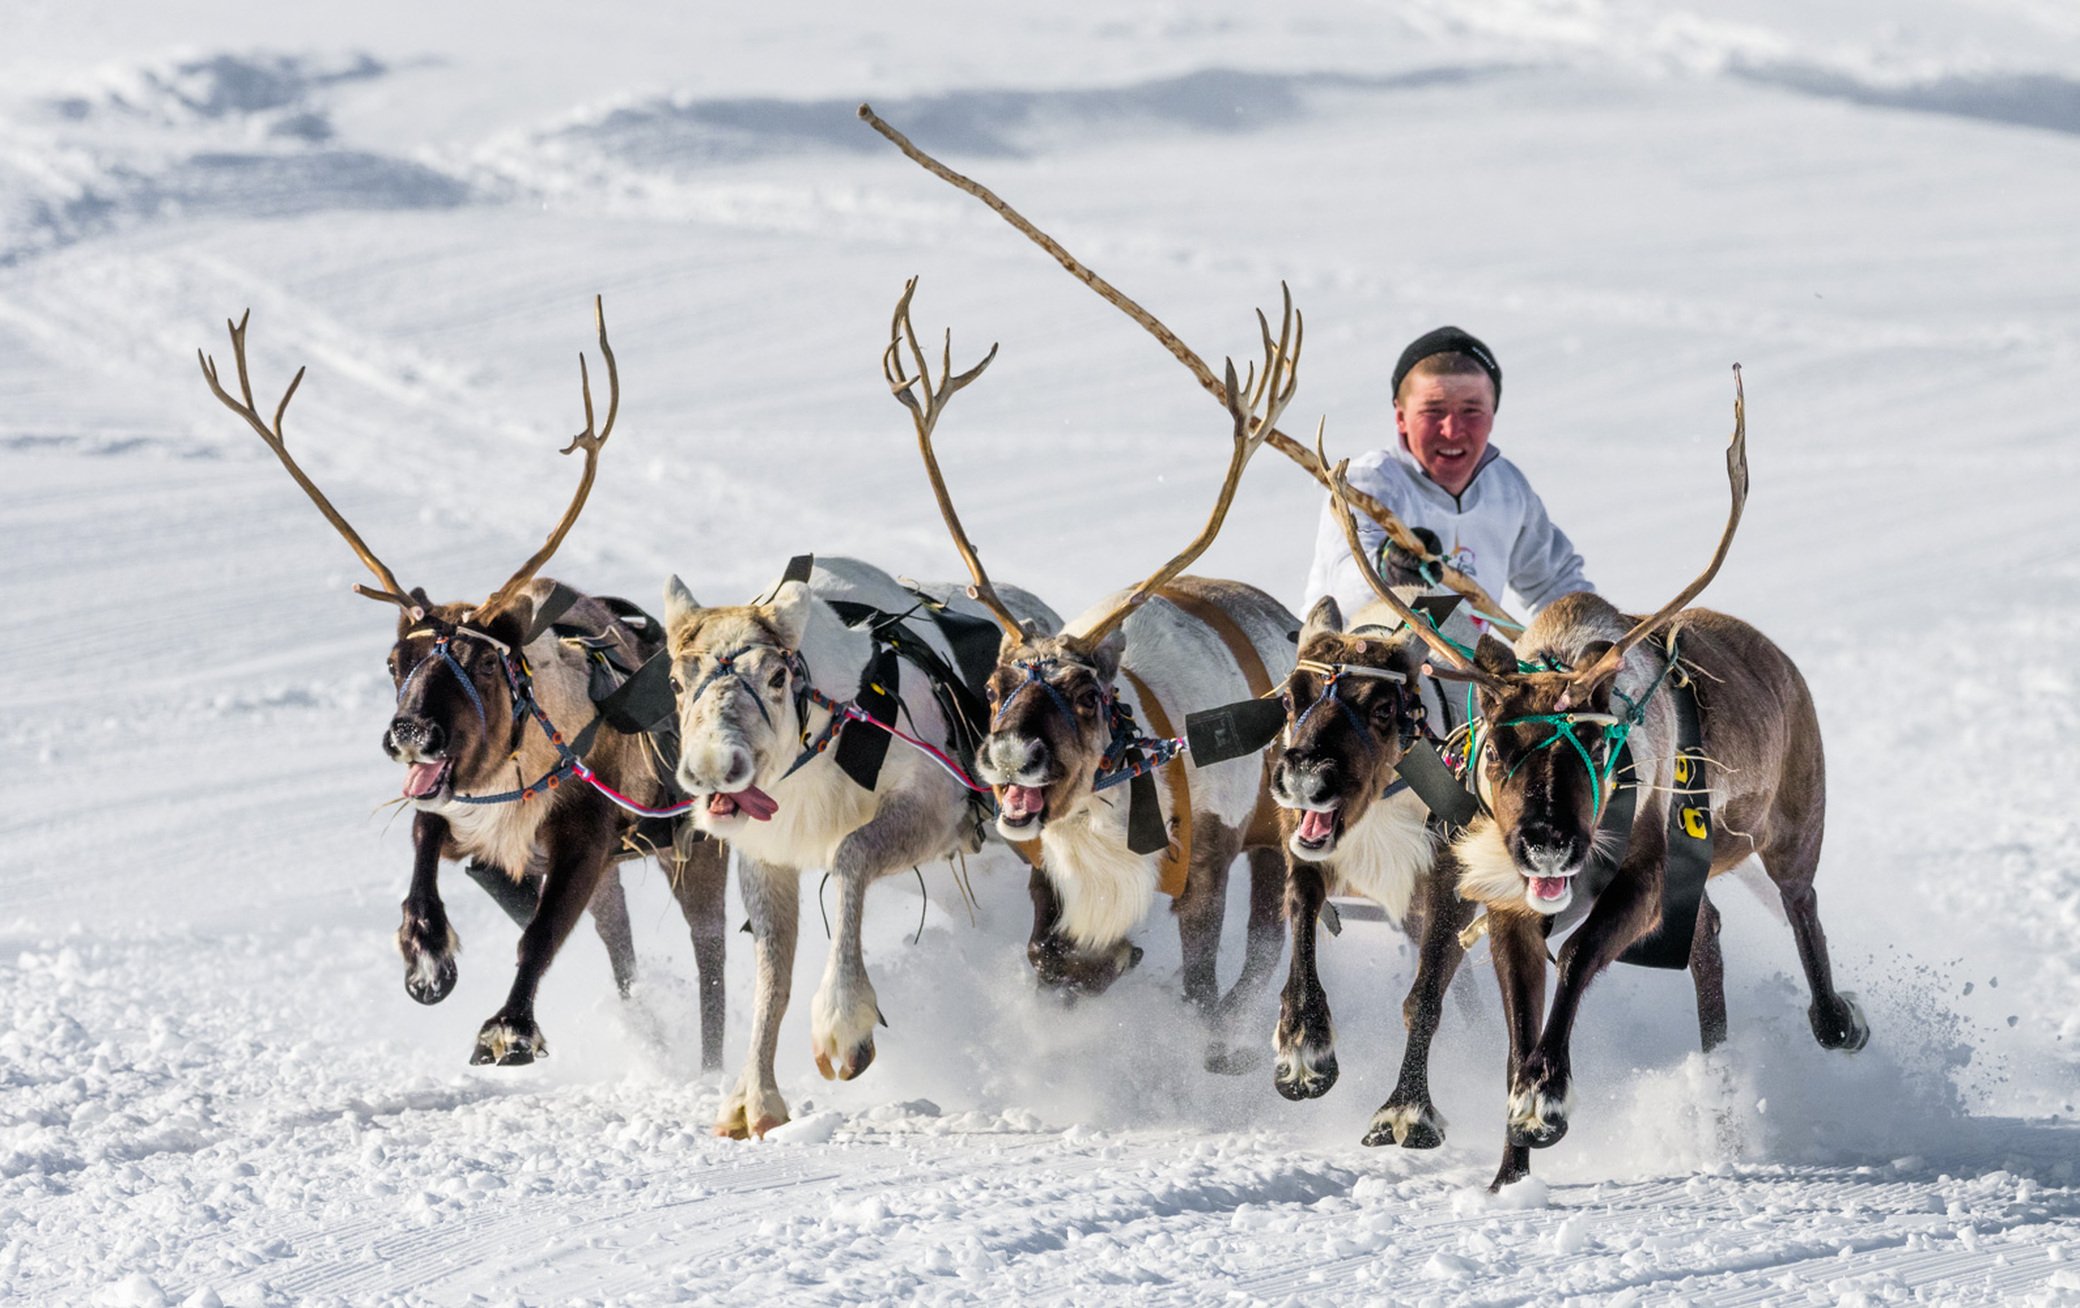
[212, 1086]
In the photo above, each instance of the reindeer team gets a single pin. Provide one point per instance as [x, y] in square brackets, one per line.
[851, 724]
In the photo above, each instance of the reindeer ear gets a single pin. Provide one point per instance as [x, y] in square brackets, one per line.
[1595, 650]
[1106, 655]
[1324, 619]
[679, 603]
[1494, 656]
[512, 623]
[789, 613]
[1595, 697]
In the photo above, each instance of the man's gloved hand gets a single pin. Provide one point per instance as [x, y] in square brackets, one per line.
[1398, 567]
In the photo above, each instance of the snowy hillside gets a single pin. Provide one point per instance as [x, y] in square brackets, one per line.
[213, 1088]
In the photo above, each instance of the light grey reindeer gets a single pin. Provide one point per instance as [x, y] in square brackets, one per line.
[754, 682]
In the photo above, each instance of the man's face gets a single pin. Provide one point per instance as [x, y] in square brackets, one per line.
[1444, 422]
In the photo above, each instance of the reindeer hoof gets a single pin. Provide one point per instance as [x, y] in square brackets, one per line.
[1510, 1174]
[429, 977]
[1537, 1116]
[765, 1124]
[1411, 1126]
[428, 944]
[856, 1062]
[1846, 1030]
[1305, 1074]
[509, 1042]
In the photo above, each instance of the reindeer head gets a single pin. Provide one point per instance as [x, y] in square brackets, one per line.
[1349, 706]
[456, 666]
[739, 678]
[456, 712]
[1052, 698]
[1546, 756]
[1546, 740]
[1051, 703]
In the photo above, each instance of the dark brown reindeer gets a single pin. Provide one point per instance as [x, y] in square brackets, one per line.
[1558, 713]
[1068, 716]
[484, 694]
[1356, 701]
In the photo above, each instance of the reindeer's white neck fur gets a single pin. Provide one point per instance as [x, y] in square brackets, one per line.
[505, 835]
[1105, 889]
[1382, 855]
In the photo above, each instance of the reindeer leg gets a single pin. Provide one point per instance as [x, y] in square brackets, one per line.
[1791, 861]
[1625, 911]
[700, 876]
[1057, 963]
[772, 899]
[1260, 953]
[1708, 973]
[610, 918]
[1306, 1039]
[907, 830]
[576, 841]
[1408, 1118]
[1518, 945]
[1200, 910]
[428, 943]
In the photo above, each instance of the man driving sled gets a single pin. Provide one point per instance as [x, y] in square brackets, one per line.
[1473, 507]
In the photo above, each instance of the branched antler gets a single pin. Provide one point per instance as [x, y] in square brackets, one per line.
[1271, 391]
[585, 440]
[1737, 482]
[1339, 499]
[391, 591]
[1396, 530]
[924, 415]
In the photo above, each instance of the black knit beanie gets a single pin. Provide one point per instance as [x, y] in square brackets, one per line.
[1448, 340]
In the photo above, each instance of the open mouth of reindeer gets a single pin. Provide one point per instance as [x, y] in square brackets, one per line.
[1021, 807]
[1318, 829]
[1548, 882]
[427, 778]
[750, 802]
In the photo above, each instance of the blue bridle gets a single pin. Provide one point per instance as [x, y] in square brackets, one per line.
[440, 650]
[1036, 675]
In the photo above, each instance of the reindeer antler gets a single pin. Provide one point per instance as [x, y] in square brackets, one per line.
[1272, 390]
[1737, 482]
[585, 440]
[924, 415]
[391, 592]
[1396, 530]
[1339, 498]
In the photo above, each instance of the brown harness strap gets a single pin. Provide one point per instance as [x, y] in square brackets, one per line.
[1240, 647]
[1177, 860]
[1263, 830]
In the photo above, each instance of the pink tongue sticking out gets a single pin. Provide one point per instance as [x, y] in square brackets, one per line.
[422, 779]
[752, 802]
[1317, 826]
[1549, 887]
[1021, 802]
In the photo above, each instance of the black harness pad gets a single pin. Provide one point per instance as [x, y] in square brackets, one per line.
[553, 606]
[1434, 784]
[861, 751]
[1689, 860]
[1147, 833]
[1216, 735]
[644, 702]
